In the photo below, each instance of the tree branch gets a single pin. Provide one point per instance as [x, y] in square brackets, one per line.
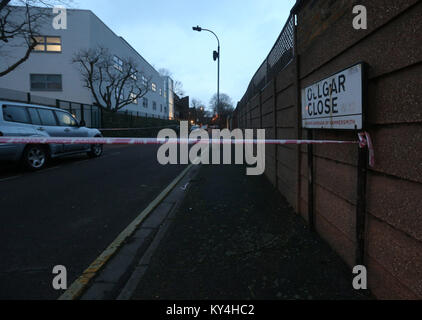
[3, 4]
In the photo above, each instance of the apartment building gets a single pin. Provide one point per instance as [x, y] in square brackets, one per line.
[49, 71]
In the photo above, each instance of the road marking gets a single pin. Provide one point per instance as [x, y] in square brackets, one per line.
[79, 285]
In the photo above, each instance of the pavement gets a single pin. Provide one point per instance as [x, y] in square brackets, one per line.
[235, 237]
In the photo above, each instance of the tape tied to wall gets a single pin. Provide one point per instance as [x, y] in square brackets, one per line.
[363, 142]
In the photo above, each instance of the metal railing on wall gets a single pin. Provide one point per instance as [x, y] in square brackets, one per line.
[142, 114]
[281, 54]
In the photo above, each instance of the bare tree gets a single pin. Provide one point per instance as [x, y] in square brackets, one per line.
[196, 103]
[178, 88]
[113, 82]
[221, 110]
[199, 110]
[224, 108]
[20, 22]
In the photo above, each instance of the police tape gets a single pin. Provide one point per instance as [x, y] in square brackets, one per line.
[364, 141]
[101, 140]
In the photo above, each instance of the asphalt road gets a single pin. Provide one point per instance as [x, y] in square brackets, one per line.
[68, 213]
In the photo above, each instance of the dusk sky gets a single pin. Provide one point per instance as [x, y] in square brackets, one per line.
[161, 31]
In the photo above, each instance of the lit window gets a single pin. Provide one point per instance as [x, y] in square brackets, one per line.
[133, 98]
[154, 87]
[48, 44]
[46, 82]
[144, 81]
[161, 92]
[118, 63]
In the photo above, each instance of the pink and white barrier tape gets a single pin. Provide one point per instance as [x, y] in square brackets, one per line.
[364, 141]
[63, 140]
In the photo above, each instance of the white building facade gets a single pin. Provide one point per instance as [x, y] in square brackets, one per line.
[49, 71]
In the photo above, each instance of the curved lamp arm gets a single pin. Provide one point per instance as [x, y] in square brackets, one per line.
[199, 29]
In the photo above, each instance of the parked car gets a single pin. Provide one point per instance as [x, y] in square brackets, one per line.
[29, 120]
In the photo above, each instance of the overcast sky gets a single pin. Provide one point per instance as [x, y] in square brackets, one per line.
[161, 31]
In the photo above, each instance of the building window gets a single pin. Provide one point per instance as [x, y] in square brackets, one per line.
[144, 81]
[133, 98]
[154, 87]
[46, 82]
[133, 74]
[48, 44]
[145, 102]
[161, 92]
[154, 105]
[118, 63]
[161, 108]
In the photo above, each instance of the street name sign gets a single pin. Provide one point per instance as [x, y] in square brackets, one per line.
[335, 102]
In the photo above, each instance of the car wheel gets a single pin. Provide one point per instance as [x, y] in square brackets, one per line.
[35, 157]
[96, 151]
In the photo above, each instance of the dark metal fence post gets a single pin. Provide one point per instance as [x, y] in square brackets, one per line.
[311, 219]
[361, 204]
[296, 61]
[82, 112]
[275, 130]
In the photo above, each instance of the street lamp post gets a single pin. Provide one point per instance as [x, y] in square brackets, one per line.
[216, 56]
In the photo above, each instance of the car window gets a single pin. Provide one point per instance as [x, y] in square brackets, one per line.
[15, 114]
[35, 117]
[47, 117]
[66, 119]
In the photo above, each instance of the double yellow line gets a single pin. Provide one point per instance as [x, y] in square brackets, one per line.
[79, 285]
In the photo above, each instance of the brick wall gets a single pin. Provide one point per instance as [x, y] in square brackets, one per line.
[327, 43]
